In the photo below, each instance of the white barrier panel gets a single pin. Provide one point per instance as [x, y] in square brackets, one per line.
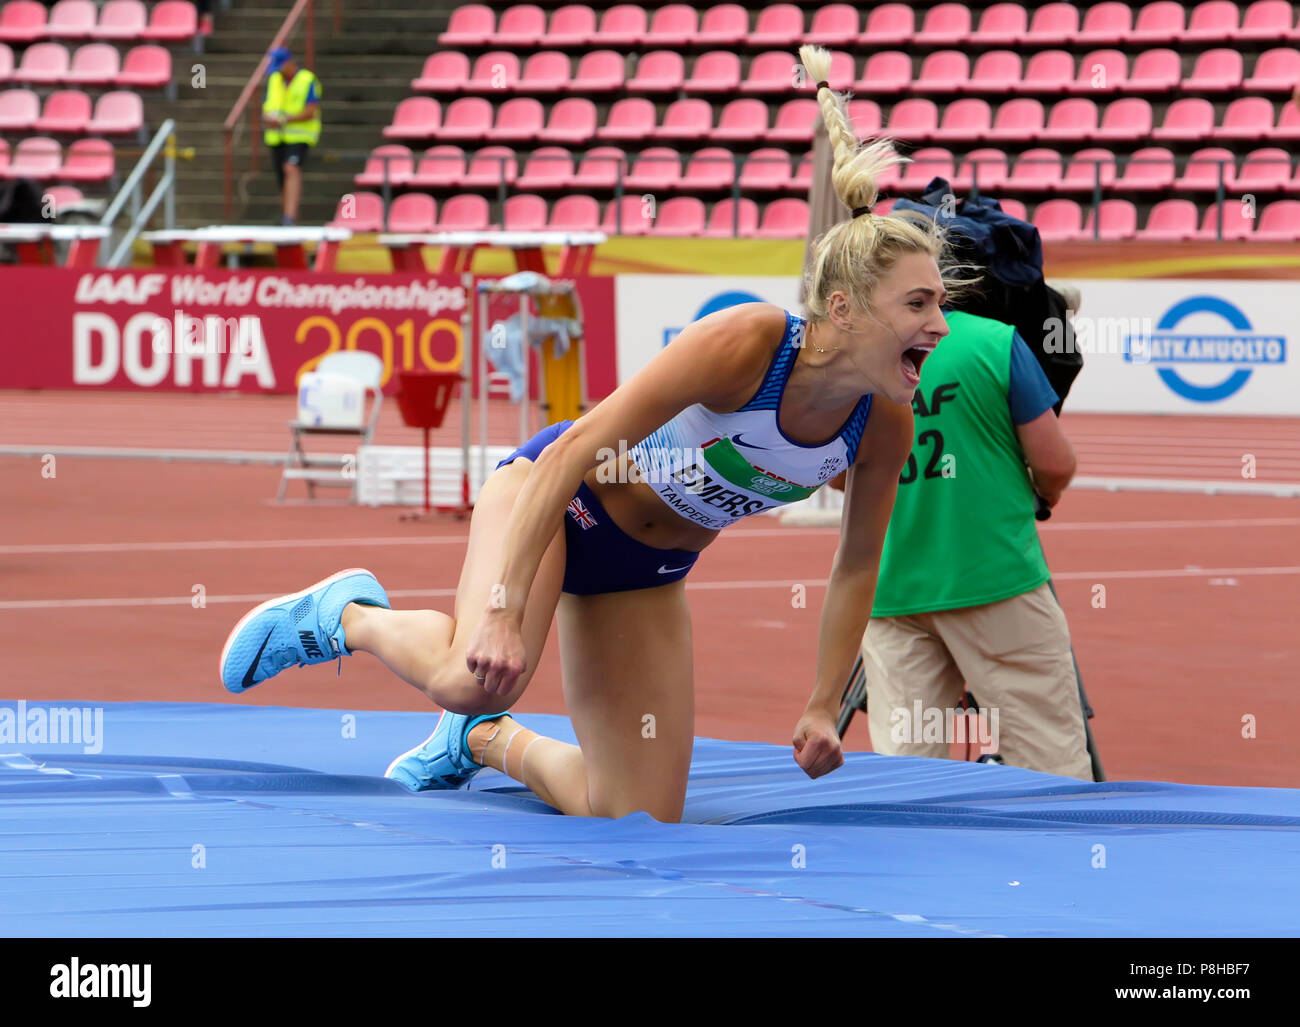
[1168, 346]
[394, 475]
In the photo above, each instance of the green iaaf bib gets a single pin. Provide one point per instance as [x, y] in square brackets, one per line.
[963, 530]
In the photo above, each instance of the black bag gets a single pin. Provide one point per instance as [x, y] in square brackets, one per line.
[21, 202]
[1012, 288]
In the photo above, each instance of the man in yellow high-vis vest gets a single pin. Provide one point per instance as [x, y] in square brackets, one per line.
[291, 115]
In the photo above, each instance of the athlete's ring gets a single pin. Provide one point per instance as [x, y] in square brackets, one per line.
[477, 678]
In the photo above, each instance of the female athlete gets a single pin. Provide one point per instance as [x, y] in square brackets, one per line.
[747, 409]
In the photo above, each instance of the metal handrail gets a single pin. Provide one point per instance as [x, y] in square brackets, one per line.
[231, 127]
[164, 139]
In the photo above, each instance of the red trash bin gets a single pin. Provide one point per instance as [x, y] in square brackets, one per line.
[423, 397]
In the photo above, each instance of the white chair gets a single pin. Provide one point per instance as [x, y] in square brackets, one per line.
[365, 370]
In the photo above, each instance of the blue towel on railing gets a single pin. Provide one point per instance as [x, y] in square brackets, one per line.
[504, 344]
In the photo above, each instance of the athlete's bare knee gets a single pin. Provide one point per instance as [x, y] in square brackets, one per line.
[614, 807]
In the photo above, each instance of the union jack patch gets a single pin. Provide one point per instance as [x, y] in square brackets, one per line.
[579, 512]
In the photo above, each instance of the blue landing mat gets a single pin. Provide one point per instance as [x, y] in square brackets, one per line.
[218, 820]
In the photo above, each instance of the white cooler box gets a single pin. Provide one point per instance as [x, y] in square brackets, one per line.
[330, 401]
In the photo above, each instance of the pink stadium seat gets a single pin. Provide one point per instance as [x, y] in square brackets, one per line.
[1280, 222]
[172, 21]
[886, 72]
[496, 71]
[674, 25]
[1101, 71]
[1214, 21]
[715, 72]
[1216, 71]
[544, 72]
[724, 216]
[4, 156]
[464, 213]
[599, 168]
[575, 214]
[412, 212]
[833, 25]
[1155, 71]
[22, 21]
[945, 25]
[146, 67]
[927, 163]
[524, 212]
[623, 25]
[747, 119]
[1017, 121]
[626, 218]
[417, 117]
[889, 25]
[687, 119]
[445, 72]
[680, 216]
[6, 62]
[710, 168]
[883, 207]
[864, 115]
[1053, 25]
[1189, 119]
[1002, 25]
[765, 169]
[470, 25]
[842, 71]
[519, 120]
[1070, 120]
[784, 219]
[62, 196]
[657, 169]
[964, 121]
[1288, 124]
[523, 25]
[95, 64]
[1159, 23]
[1105, 24]
[801, 181]
[1036, 171]
[632, 117]
[777, 25]
[88, 160]
[1249, 118]
[117, 113]
[19, 109]
[600, 71]
[997, 71]
[987, 167]
[440, 167]
[42, 64]
[399, 162]
[359, 211]
[121, 19]
[1276, 71]
[1150, 169]
[1049, 72]
[1267, 21]
[469, 117]
[35, 157]
[1015, 208]
[1170, 221]
[723, 25]
[1081, 171]
[1117, 223]
[1236, 225]
[490, 167]
[1263, 170]
[67, 111]
[1203, 169]
[914, 120]
[1058, 221]
[771, 72]
[661, 71]
[1125, 121]
[945, 71]
[573, 120]
[549, 167]
[571, 25]
[71, 19]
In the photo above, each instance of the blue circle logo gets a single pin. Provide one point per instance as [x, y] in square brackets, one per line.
[1204, 305]
[724, 300]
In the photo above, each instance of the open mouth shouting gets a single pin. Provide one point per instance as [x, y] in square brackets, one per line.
[911, 361]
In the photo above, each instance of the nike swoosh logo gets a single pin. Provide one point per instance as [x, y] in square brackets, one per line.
[248, 681]
[669, 570]
[737, 441]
